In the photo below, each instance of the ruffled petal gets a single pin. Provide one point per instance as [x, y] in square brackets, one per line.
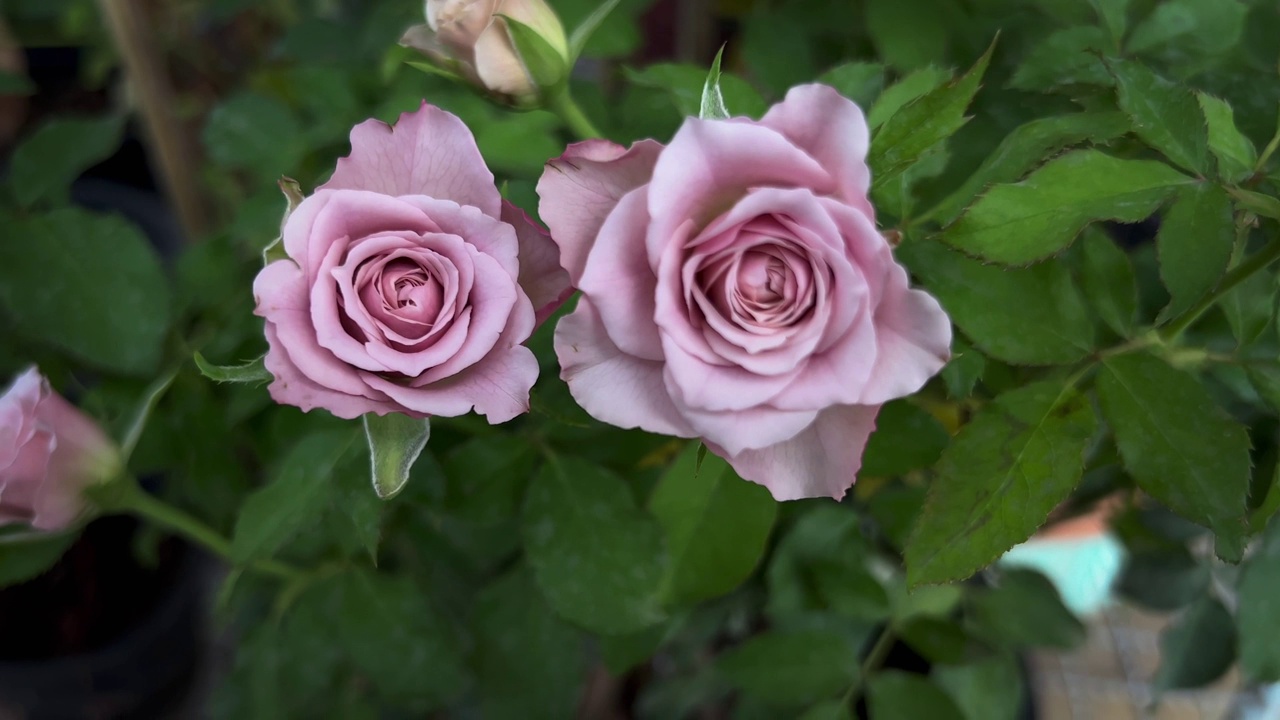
[427, 152]
[580, 188]
[541, 277]
[821, 461]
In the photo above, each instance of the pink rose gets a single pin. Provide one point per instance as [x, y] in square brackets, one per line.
[49, 452]
[735, 288]
[410, 283]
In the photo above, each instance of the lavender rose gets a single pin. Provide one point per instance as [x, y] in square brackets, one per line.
[49, 453]
[735, 288]
[410, 284]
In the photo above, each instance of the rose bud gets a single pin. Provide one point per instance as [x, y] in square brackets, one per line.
[49, 453]
[472, 39]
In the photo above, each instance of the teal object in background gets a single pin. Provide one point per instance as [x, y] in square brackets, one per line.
[1083, 569]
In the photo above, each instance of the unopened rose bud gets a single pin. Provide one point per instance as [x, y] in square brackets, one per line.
[49, 453]
[472, 39]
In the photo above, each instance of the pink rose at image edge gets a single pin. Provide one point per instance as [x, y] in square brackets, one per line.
[50, 452]
[735, 288]
[410, 284]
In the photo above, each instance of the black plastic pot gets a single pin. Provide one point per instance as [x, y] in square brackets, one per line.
[99, 636]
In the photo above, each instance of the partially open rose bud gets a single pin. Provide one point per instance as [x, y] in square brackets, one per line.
[472, 39]
[49, 453]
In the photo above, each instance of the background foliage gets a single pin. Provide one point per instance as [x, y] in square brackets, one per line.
[1092, 197]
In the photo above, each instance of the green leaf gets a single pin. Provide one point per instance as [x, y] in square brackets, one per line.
[1108, 282]
[906, 438]
[964, 370]
[297, 493]
[861, 82]
[791, 668]
[1198, 648]
[254, 371]
[903, 92]
[1026, 316]
[23, 558]
[1164, 578]
[998, 482]
[1021, 223]
[939, 640]
[257, 133]
[919, 126]
[545, 64]
[908, 34]
[1270, 504]
[1178, 445]
[1250, 306]
[530, 662]
[1194, 244]
[989, 689]
[821, 564]
[898, 695]
[360, 508]
[395, 635]
[395, 442]
[1235, 153]
[1112, 15]
[581, 34]
[712, 105]
[1195, 26]
[1025, 610]
[1027, 146]
[45, 164]
[716, 526]
[485, 478]
[1066, 57]
[599, 560]
[1258, 608]
[88, 284]
[829, 710]
[1164, 114]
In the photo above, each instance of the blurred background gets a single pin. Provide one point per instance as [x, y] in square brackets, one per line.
[179, 116]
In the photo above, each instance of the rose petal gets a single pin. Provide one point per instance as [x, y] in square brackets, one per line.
[496, 387]
[342, 216]
[541, 277]
[913, 340]
[292, 387]
[579, 189]
[491, 236]
[281, 295]
[737, 430]
[619, 282]
[17, 413]
[822, 461]
[497, 64]
[612, 386]
[428, 152]
[831, 129]
[710, 164]
[24, 476]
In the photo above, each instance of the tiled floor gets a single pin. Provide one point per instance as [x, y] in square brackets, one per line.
[1108, 677]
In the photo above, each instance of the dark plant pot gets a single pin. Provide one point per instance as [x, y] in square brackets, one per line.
[99, 636]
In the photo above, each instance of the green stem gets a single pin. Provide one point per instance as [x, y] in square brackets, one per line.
[1237, 275]
[875, 658]
[562, 104]
[147, 506]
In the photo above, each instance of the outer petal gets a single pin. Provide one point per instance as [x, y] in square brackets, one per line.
[612, 386]
[619, 281]
[281, 293]
[541, 277]
[832, 129]
[20, 482]
[292, 387]
[428, 152]
[496, 387]
[822, 461]
[579, 189]
[913, 340]
[17, 414]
